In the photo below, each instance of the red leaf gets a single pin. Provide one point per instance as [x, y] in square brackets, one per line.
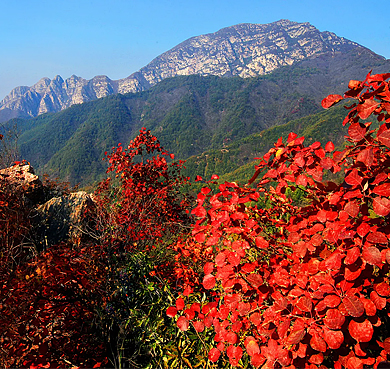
[214, 355]
[199, 211]
[243, 308]
[220, 259]
[380, 302]
[171, 311]
[352, 255]
[231, 337]
[380, 178]
[355, 363]
[198, 325]
[382, 190]
[317, 343]
[291, 136]
[234, 354]
[255, 318]
[381, 206]
[251, 346]
[273, 351]
[334, 339]
[353, 306]
[208, 268]
[232, 301]
[352, 208]
[182, 323]
[255, 280]
[189, 314]
[333, 261]
[384, 138]
[329, 147]
[382, 289]
[361, 332]
[352, 272]
[316, 359]
[372, 255]
[233, 258]
[261, 242]
[357, 131]
[296, 336]
[180, 304]
[377, 237]
[322, 216]
[327, 163]
[366, 156]
[386, 345]
[334, 319]
[363, 229]
[370, 307]
[332, 301]
[283, 328]
[301, 180]
[353, 178]
[257, 360]
[305, 304]
[200, 237]
[364, 110]
[330, 100]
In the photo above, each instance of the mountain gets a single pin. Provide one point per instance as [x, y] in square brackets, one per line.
[190, 115]
[244, 50]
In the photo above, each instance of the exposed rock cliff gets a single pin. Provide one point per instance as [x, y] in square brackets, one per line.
[59, 219]
[244, 50]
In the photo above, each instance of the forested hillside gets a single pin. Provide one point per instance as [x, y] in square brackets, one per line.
[190, 114]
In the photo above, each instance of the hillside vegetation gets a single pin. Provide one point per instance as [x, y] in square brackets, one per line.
[291, 270]
[190, 114]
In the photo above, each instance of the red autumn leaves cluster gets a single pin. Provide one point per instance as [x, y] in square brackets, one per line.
[147, 203]
[299, 284]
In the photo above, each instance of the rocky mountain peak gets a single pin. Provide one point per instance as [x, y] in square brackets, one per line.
[243, 50]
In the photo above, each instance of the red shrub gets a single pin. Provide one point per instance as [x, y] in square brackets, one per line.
[300, 285]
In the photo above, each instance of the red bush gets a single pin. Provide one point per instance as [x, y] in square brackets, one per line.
[147, 204]
[299, 284]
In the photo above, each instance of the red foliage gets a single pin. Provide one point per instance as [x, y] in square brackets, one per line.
[300, 285]
[47, 311]
[14, 228]
[147, 203]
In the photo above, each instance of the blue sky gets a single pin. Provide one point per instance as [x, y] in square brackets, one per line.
[43, 38]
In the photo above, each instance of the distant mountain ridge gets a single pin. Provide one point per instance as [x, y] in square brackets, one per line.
[243, 50]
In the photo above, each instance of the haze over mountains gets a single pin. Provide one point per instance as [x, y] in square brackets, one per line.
[218, 100]
[244, 50]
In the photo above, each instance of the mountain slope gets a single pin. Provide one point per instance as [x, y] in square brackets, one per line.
[189, 114]
[244, 50]
[235, 162]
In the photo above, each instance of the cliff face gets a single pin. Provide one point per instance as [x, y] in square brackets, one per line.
[243, 50]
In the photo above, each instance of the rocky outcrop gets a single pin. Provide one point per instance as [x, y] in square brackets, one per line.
[243, 50]
[63, 218]
[21, 178]
[59, 219]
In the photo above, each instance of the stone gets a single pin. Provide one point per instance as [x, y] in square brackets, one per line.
[22, 178]
[62, 219]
